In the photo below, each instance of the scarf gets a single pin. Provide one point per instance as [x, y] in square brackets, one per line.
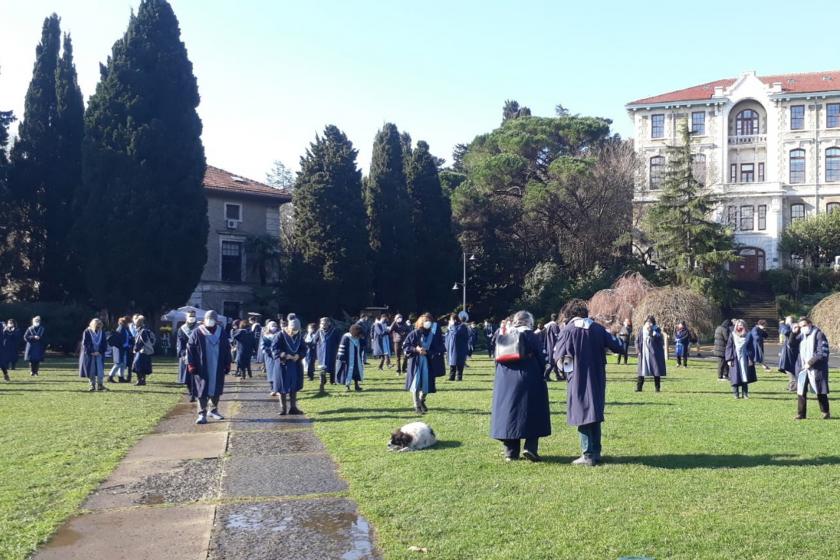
[212, 356]
[740, 343]
[354, 360]
[806, 377]
[96, 337]
[421, 372]
[647, 351]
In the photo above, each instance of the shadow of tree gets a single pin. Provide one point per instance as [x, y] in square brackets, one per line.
[707, 461]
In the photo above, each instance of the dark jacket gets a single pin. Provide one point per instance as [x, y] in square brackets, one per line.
[721, 338]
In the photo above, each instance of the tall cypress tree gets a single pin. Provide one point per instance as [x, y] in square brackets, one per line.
[145, 211]
[8, 214]
[435, 246]
[386, 200]
[331, 272]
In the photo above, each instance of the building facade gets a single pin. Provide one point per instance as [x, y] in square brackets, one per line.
[769, 146]
[238, 210]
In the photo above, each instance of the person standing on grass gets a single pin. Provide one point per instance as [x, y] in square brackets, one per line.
[650, 347]
[424, 349]
[327, 340]
[552, 332]
[722, 334]
[36, 346]
[811, 367]
[366, 325]
[520, 408]
[120, 341]
[624, 335]
[740, 357]
[381, 338]
[92, 357]
[144, 348]
[244, 339]
[682, 342]
[182, 341]
[759, 333]
[208, 361]
[399, 330]
[457, 340]
[582, 351]
[311, 351]
[269, 333]
[289, 349]
[489, 335]
[350, 364]
[788, 354]
[8, 347]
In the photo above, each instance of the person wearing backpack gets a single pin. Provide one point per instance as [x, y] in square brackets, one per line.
[144, 348]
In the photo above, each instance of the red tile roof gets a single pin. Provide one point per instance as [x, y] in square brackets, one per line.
[219, 180]
[811, 82]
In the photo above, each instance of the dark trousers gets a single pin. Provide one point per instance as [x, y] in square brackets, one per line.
[640, 382]
[743, 387]
[385, 359]
[34, 367]
[202, 404]
[623, 355]
[802, 404]
[456, 371]
[722, 368]
[512, 446]
[490, 349]
[401, 362]
[552, 367]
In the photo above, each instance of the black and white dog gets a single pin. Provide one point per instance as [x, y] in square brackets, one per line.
[412, 437]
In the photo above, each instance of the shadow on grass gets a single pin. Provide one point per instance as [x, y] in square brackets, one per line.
[704, 461]
[441, 445]
[640, 404]
[405, 409]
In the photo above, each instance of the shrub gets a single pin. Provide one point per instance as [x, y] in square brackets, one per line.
[826, 315]
[617, 303]
[670, 305]
[63, 323]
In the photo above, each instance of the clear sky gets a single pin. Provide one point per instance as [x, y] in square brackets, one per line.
[272, 73]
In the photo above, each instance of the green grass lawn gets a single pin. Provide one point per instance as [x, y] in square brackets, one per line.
[59, 442]
[691, 473]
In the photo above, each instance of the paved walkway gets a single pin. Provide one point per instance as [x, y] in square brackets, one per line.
[256, 486]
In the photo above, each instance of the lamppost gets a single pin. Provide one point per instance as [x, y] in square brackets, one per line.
[463, 283]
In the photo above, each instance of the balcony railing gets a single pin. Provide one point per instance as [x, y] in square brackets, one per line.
[748, 140]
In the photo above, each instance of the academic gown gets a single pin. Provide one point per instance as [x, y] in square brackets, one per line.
[209, 361]
[437, 348]
[91, 366]
[788, 355]
[457, 344]
[244, 347]
[681, 343]
[758, 336]
[271, 364]
[349, 365]
[142, 362]
[551, 331]
[181, 341]
[819, 360]
[326, 347]
[520, 407]
[585, 342]
[9, 344]
[381, 339]
[35, 349]
[473, 341]
[656, 366]
[288, 374]
[742, 369]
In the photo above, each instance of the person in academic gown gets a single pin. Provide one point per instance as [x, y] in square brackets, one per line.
[208, 361]
[144, 348]
[381, 339]
[36, 346]
[181, 345]
[650, 347]
[551, 332]
[289, 349]
[740, 357]
[92, 357]
[624, 335]
[811, 367]
[788, 355]
[424, 348]
[9, 342]
[520, 407]
[473, 340]
[311, 351]
[327, 340]
[120, 341]
[245, 344]
[269, 333]
[581, 352]
[682, 340]
[350, 364]
[489, 332]
[366, 325]
[759, 333]
[256, 332]
[399, 330]
[457, 342]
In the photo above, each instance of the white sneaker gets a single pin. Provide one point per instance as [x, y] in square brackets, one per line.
[584, 461]
[202, 419]
[214, 414]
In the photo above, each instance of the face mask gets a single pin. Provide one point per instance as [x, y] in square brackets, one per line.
[399, 319]
[806, 330]
[36, 323]
[190, 320]
[427, 325]
[210, 322]
[272, 329]
[10, 327]
[451, 322]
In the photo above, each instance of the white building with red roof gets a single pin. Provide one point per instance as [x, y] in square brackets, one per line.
[768, 145]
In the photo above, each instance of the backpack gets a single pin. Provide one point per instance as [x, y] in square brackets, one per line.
[510, 346]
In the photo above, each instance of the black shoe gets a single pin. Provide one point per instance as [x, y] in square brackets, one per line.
[460, 379]
[423, 408]
[101, 387]
[282, 411]
[110, 379]
[418, 410]
[121, 380]
[451, 378]
[92, 389]
[533, 457]
[193, 399]
[358, 389]
[295, 411]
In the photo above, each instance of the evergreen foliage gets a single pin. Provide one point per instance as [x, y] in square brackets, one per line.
[816, 239]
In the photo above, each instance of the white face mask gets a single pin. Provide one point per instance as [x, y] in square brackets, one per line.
[10, 326]
[806, 330]
[210, 322]
[272, 329]
[399, 319]
[36, 323]
[190, 320]
[427, 325]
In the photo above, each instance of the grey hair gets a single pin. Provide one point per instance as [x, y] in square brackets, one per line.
[737, 322]
[211, 315]
[523, 319]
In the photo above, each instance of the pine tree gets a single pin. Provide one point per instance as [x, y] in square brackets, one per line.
[388, 219]
[145, 211]
[435, 247]
[330, 267]
[687, 241]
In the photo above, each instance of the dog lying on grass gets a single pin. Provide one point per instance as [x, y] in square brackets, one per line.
[412, 437]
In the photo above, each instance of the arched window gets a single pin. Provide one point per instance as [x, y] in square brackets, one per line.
[746, 123]
[832, 207]
[657, 163]
[797, 166]
[832, 164]
[698, 167]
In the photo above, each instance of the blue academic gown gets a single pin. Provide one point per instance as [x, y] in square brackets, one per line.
[244, 347]
[788, 355]
[457, 345]
[208, 383]
[473, 340]
[9, 344]
[681, 343]
[435, 356]
[349, 365]
[90, 366]
[520, 407]
[657, 347]
[819, 361]
[585, 342]
[181, 342]
[35, 349]
[326, 347]
[739, 366]
[381, 337]
[288, 374]
[256, 332]
[758, 336]
[271, 364]
[142, 362]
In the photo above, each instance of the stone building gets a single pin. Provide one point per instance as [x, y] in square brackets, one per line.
[769, 146]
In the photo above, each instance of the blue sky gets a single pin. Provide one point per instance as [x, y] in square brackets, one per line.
[272, 73]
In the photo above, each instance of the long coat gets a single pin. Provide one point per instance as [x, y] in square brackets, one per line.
[457, 344]
[142, 362]
[520, 395]
[35, 349]
[657, 354]
[271, 364]
[120, 342]
[722, 334]
[91, 366]
[737, 370]
[201, 353]
[181, 341]
[381, 338]
[326, 347]
[585, 342]
[788, 355]
[758, 336]
[552, 333]
[9, 344]
[288, 374]
[434, 355]
[681, 342]
[245, 344]
[818, 362]
[349, 365]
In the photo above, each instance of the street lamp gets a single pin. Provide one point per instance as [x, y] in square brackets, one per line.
[463, 283]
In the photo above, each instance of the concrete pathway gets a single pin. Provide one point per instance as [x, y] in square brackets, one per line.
[256, 486]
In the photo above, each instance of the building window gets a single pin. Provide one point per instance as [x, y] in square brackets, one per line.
[832, 115]
[231, 309]
[762, 217]
[231, 261]
[832, 207]
[797, 212]
[746, 123]
[733, 172]
[746, 218]
[698, 166]
[698, 123]
[761, 172]
[797, 166]
[832, 164]
[656, 165]
[797, 117]
[732, 217]
[233, 211]
[657, 126]
[747, 173]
